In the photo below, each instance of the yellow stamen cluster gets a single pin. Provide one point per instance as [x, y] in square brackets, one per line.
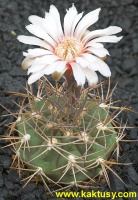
[69, 49]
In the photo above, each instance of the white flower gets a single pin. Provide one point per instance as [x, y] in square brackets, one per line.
[69, 49]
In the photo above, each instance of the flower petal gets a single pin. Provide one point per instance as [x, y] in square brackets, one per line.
[34, 19]
[61, 66]
[56, 16]
[39, 32]
[102, 32]
[97, 45]
[103, 68]
[41, 62]
[91, 76]
[55, 67]
[96, 64]
[50, 26]
[86, 21]
[36, 52]
[34, 77]
[58, 66]
[82, 61]
[34, 41]
[100, 52]
[76, 20]
[35, 68]
[90, 59]
[69, 19]
[78, 73]
[49, 69]
[48, 59]
[112, 38]
[27, 62]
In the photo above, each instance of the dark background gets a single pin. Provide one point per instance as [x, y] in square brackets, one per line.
[123, 63]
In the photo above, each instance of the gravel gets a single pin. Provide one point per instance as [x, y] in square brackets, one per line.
[123, 63]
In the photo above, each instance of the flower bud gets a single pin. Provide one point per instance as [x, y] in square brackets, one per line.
[56, 76]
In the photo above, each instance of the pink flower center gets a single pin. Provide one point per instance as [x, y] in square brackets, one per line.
[69, 49]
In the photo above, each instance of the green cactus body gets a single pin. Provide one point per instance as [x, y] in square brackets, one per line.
[66, 140]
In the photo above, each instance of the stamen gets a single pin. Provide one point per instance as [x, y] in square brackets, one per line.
[69, 49]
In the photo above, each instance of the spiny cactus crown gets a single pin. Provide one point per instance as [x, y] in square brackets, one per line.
[63, 139]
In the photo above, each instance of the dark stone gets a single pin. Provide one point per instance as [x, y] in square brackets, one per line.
[136, 85]
[5, 161]
[129, 64]
[5, 65]
[1, 197]
[8, 83]
[13, 175]
[131, 10]
[114, 75]
[29, 188]
[39, 192]
[119, 10]
[44, 197]
[17, 72]
[10, 194]
[125, 147]
[1, 179]
[109, 60]
[124, 22]
[126, 50]
[126, 82]
[119, 70]
[134, 134]
[133, 72]
[135, 2]
[114, 3]
[126, 2]
[135, 45]
[9, 185]
[132, 174]
[117, 53]
[116, 183]
[28, 197]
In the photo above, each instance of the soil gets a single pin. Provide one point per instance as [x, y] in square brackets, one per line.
[124, 66]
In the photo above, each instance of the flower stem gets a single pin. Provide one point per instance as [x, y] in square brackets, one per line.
[73, 90]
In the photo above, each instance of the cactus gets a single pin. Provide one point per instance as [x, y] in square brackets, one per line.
[65, 142]
[65, 134]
